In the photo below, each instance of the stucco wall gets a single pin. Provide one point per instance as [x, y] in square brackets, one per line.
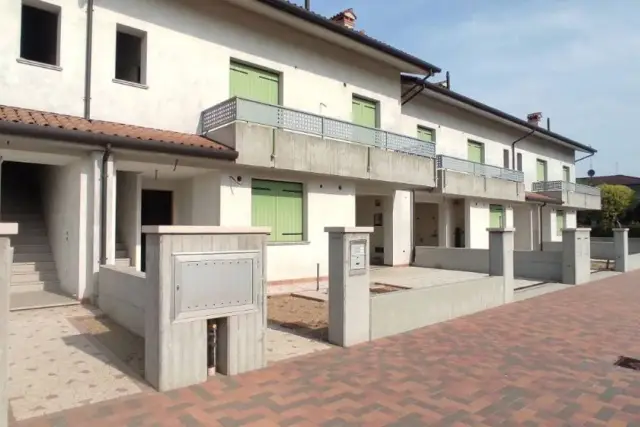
[128, 205]
[538, 265]
[123, 296]
[478, 220]
[460, 259]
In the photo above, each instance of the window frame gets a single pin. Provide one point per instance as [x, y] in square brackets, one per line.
[506, 160]
[424, 129]
[568, 170]
[497, 208]
[560, 214]
[143, 36]
[50, 8]
[519, 162]
[546, 170]
[275, 237]
[482, 151]
[367, 100]
[233, 62]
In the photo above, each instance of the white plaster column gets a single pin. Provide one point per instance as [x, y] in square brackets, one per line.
[6, 262]
[621, 249]
[445, 226]
[576, 255]
[501, 258]
[397, 228]
[110, 220]
[128, 213]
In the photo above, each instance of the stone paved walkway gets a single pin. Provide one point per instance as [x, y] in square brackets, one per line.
[546, 361]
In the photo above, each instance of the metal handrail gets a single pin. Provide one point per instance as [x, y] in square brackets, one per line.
[479, 169]
[541, 186]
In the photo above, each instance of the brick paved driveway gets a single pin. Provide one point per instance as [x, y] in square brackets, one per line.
[546, 361]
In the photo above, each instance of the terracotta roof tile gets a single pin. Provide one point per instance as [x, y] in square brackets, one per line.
[74, 123]
[613, 180]
[541, 198]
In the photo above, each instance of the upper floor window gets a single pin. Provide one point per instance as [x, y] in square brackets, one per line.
[278, 205]
[40, 33]
[561, 222]
[131, 47]
[541, 170]
[475, 151]
[505, 159]
[364, 112]
[519, 162]
[426, 134]
[256, 84]
[566, 174]
[496, 216]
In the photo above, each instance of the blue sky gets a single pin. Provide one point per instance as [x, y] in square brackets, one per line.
[577, 61]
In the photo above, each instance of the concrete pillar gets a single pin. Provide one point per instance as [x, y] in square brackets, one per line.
[576, 255]
[397, 228]
[110, 220]
[349, 294]
[501, 258]
[621, 249]
[129, 210]
[6, 261]
[445, 226]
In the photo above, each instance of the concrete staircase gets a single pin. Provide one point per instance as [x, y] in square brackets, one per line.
[122, 257]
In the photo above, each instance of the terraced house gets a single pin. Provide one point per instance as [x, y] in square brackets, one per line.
[117, 114]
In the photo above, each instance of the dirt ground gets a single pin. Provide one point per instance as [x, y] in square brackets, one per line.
[385, 289]
[602, 265]
[306, 317]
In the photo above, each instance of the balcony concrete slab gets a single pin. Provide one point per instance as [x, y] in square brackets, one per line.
[467, 185]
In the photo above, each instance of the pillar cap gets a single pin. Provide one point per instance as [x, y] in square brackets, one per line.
[8, 228]
[348, 230]
[620, 229]
[203, 229]
[577, 229]
[501, 229]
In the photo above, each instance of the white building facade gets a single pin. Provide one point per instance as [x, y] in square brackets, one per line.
[252, 112]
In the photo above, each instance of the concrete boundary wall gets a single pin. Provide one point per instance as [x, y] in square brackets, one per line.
[538, 265]
[634, 243]
[552, 246]
[122, 296]
[397, 312]
[460, 259]
[603, 250]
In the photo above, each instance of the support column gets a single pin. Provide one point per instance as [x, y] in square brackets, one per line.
[444, 224]
[110, 220]
[397, 228]
[6, 261]
[129, 210]
[501, 258]
[349, 294]
[576, 256]
[621, 249]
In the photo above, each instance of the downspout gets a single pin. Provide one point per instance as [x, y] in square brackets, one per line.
[420, 83]
[540, 216]
[513, 148]
[87, 61]
[106, 156]
[585, 157]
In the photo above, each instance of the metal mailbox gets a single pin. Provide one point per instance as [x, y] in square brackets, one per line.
[357, 257]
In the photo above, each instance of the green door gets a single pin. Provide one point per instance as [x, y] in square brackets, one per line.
[364, 112]
[566, 174]
[541, 170]
[426, 134]
[255, 84]
[560, 222]
[475, 152]
[496, 216]
[289, 211]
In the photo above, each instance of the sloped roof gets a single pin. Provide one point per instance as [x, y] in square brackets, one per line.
[613, 180]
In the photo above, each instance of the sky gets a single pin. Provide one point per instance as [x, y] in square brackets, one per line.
[576, 61]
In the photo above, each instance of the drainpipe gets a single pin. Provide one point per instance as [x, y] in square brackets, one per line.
[513, 148]
[540, 225]
[585, 157]
[87, 61]
[106, 156]
[421, 84]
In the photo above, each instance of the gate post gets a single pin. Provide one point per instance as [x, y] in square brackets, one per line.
[6, 260]
[621, 249]
[576, 256]
[501, 258]
[349, 294]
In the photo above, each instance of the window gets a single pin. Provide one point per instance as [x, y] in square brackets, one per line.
[560, 222]
[496, 216]
[426, 134]
[566, 174]
[256, 84]
[505, 159]
[130, 55]
[541, 170]
[519, 161]
[364, 112]
[278, 205]
[39, 36]
[475, 151]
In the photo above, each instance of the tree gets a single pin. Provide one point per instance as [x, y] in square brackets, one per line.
[616, 199]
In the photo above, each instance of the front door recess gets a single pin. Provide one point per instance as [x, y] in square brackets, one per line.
[157, 209]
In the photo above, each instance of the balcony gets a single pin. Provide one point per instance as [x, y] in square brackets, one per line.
[573, 195]
[461, 177]
[275, 137]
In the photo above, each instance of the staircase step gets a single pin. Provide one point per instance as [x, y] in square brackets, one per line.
[31, 249]
[32, 257]
[38, 276]
[121, 254]
[31, 267]
[123, 262]
[34, 286]
[29, 239]
[121, 247]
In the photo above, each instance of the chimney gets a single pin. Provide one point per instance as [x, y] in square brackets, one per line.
[534, 118]
[346, 18]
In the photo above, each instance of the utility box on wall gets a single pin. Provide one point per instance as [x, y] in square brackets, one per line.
[212, 285]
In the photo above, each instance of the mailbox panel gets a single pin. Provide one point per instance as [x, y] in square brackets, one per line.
[357, 257]
[213, 285]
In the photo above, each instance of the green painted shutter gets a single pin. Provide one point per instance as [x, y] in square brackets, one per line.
[364, 112]
[541, 170]
[425, 134]
[566, 174]
[289, 212]
[255, 84]
[560, 222]
[475, 152]
[263, 205]
[496, 214]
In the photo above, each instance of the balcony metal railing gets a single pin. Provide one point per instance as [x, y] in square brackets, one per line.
[541, 186]
[478, 169]
[240, 109]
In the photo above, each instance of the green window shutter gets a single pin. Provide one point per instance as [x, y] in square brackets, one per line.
[426, 134]
[496, 215]
[289, 212]
[475, 152]
[541, 170]
[263, 205]
[566, 174]
[364, 112]
[253, 83]
[560, 222]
